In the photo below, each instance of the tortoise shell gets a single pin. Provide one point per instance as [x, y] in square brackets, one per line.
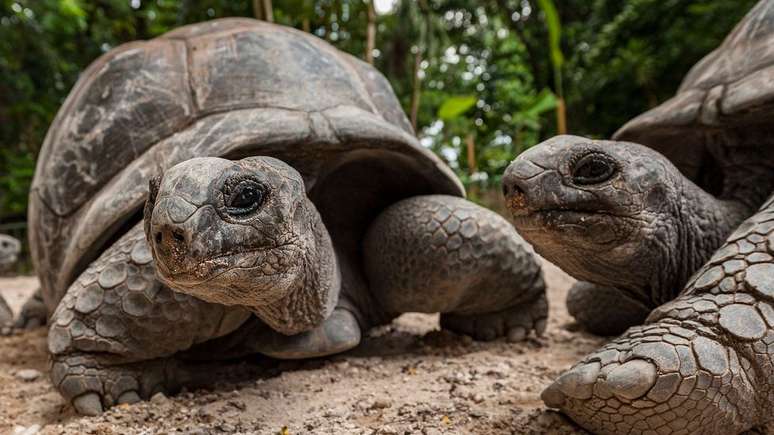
[725, 101]
[228, 88]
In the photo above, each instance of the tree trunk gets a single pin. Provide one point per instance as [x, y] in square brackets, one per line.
[371, 33]
[470, 142]
[561, 116]
[417, 91]
[263, 10]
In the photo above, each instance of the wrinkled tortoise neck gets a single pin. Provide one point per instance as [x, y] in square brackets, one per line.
[703, 223]
[315, 292]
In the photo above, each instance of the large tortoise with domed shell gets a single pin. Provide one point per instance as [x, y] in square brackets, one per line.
[290, 208]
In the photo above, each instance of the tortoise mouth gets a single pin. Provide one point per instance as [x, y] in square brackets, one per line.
[212, 268]
[598, 227]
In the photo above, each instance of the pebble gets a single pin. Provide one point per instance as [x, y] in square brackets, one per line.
[387, 430]
[381, 404]
[28, 375]
[159, 398]
[21, 430]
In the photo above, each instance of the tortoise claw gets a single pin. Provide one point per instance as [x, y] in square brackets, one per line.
[88, 404]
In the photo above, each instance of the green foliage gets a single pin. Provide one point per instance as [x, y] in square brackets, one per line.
[554, 31]
[456, 106]
[487, 68]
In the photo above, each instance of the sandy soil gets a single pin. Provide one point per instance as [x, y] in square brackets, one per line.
[407, 378]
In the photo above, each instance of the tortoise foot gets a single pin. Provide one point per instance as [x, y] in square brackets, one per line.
[92, 384]
[660, 378]
[514, 323]
[33, 313]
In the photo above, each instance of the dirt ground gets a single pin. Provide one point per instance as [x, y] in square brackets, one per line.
[407, 378]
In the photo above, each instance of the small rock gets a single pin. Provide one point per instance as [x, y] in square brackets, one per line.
[28, 375]
[387, 430]
[159, 398]
[21, 430]
[238, 404]
[381, 404]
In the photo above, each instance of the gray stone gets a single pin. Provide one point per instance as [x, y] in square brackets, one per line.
[28, 375]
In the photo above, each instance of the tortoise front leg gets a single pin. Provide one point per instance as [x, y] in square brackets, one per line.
[6, 315]
[33, 313]
[704, 363]
[604, 310]
[444, 254]
[114, 336]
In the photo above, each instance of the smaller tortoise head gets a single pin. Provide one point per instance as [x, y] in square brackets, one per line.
[232, 232]
[595, 208]
[9, 251]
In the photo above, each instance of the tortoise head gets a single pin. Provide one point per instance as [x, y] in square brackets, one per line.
[233, 232]
[9, 251]
[595, 208]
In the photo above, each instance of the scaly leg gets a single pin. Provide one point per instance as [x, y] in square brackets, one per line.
[444, 254]
[604, 310]
[6, 315]
[704, 363]
[33, 313]
[113, 336]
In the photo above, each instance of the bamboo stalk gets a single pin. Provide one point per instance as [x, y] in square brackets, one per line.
[417, 90]
[371, 33]
[471, 145]
[561, 117]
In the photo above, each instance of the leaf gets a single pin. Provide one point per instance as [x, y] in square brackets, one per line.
[456, 106]
[72, 8]
[554, 31]
[543, 102]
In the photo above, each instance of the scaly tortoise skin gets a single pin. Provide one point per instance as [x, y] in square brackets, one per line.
[290, 209]
[639, 219]
[9, 253]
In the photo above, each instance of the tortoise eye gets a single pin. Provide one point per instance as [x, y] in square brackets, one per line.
[593, 168]
[245, 198]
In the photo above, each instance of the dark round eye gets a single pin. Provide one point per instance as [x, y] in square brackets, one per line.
[245, 198]
[593, 169]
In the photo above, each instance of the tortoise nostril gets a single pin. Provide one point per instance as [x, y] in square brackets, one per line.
[514, 193]
[178, 236]
[512, 189]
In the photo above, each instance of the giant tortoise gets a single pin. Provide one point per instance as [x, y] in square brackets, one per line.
[290, 209]
[641, 220]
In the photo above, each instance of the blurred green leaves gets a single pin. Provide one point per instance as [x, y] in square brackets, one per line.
[489, 72]
[456, 106]
[554, 27]
[529, 116]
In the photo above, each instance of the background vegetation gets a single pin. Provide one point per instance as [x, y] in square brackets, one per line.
[481, 80]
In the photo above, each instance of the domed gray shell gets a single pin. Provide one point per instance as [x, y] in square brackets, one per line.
[231, 88]
[726, 99]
